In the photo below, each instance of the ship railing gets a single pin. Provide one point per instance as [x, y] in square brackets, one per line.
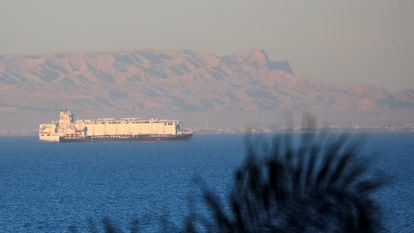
[72, 136]
[124, 120]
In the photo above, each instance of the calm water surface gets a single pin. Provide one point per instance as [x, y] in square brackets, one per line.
[47, 187]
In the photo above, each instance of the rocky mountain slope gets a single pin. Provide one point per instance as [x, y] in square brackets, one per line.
[199, 88]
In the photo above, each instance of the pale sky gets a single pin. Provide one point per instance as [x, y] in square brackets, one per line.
[342, 42]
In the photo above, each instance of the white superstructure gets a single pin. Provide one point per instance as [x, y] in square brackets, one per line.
[67, 126]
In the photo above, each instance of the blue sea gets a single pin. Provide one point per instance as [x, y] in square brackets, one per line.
[48, 187]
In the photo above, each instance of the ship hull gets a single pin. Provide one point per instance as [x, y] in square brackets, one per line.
[127, 138]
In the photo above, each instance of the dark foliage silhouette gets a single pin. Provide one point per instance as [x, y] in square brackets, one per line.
[309, 182]
[312, 182]
[108, 226]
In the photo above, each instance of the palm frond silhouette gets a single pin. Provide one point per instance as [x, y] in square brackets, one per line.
[108, 226]
[318, 182]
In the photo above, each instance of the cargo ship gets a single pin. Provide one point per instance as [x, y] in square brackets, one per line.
[67, 129]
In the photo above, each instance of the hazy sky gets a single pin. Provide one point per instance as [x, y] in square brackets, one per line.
[343, 42]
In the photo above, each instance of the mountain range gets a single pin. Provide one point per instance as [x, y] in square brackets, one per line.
[202, 89]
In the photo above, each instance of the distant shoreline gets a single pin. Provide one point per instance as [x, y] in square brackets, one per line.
[264, 131]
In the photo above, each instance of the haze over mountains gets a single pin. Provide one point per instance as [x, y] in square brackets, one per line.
[199, 88]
